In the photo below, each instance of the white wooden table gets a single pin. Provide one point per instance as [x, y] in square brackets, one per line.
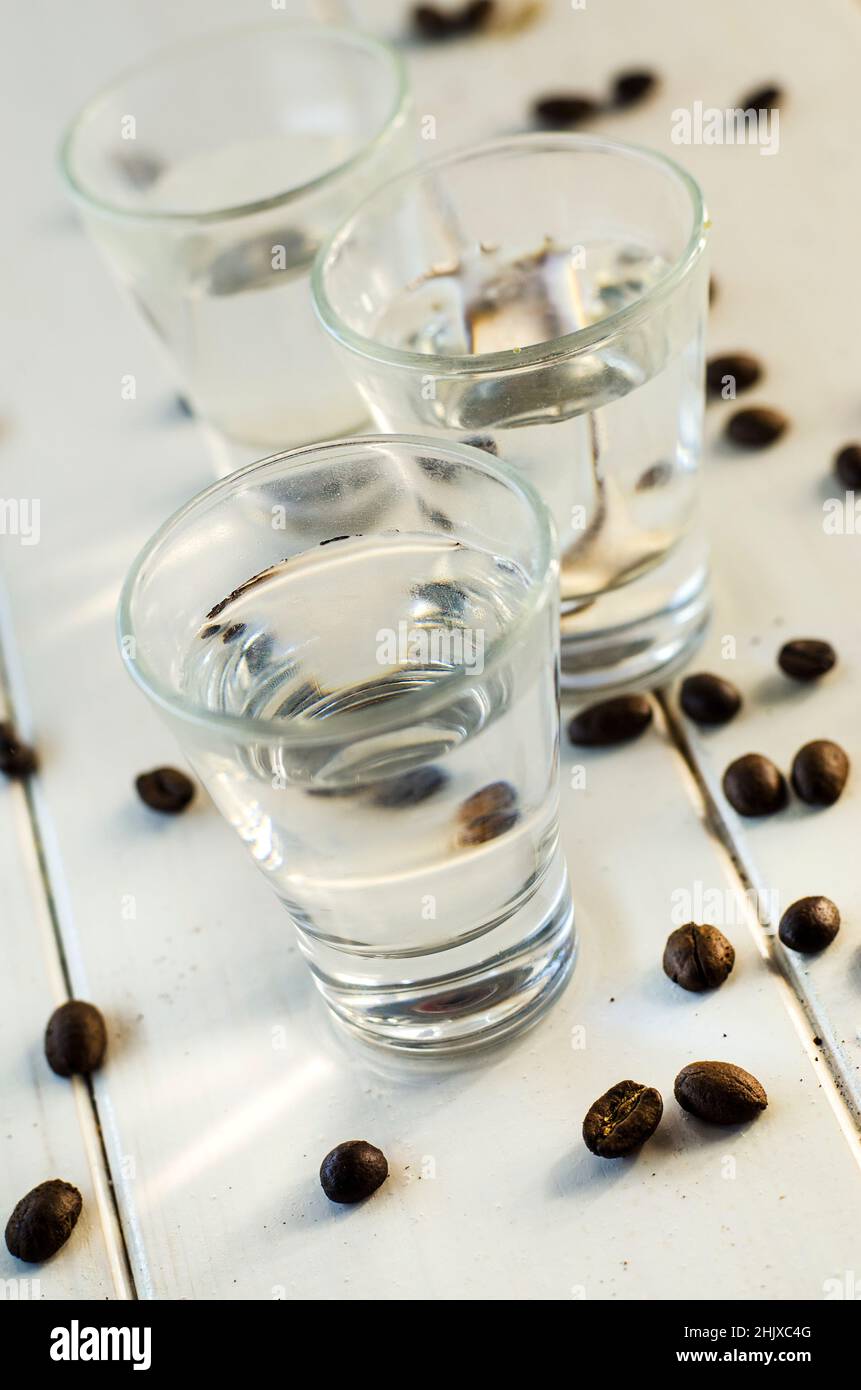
[197, 1151]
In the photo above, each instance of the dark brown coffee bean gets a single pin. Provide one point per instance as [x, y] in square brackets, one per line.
[756, 427]
[484, 828]
[819, 772]
[622, 1119]
[698, 957]
[75, 1039]
[753, 786]
[43, 1221]
[733, 371]
[806, 658]
[410, 788]
[719, 1092]
[631, 87]
[496, 796]
[352, 1171]
[762, 99]
[165, 789]
[483, 441]
[560, 112]
[708, 699]
[847, 466]
[657, 475]
[432, 23]
[809, 924]
[17, 759]
[618, 720]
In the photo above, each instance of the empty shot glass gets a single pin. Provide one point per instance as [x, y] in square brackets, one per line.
[545, 296]
[209, 176]
[357, 647]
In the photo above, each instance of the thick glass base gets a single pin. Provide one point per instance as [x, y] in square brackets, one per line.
[644, 629]
[467, 996]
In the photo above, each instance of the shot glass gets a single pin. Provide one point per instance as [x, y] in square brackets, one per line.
[545, 296]
[209, 176]
[356, 644]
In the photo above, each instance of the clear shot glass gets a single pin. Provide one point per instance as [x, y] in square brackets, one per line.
[209, 176]
[545, 296]
[356, 644]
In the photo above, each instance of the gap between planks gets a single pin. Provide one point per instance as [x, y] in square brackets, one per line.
[84, 1096]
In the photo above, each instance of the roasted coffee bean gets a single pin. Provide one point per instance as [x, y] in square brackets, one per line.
[708, 699]
[622, 1119]
[738, 371]
[806, 658]
[410, 788]
[753, 786]
[559, 112]
[657, 475]
[483, 441]
[698, 957]
[43, 1221]
[165, 789]
[75, 1039]
[847, 466]
[719, 1092]
[618, 720]
[631, 87]
[756, 427]
[809, 924]
[432, 23]
[819, 772]
[17, 759]
[352, 1171]
[762, 99]
[496, 796]
[484, 828]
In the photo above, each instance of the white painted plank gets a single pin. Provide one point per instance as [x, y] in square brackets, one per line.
[214, 1131]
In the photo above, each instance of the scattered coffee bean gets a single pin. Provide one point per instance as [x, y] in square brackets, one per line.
[17, 760]
[75, 1039]
[496, 796]
[809, 924]
[762, 99]
[352, 1171]
[631, 87]
[719, 1092]
[483, 441]
[165, 789]
[432, 23]
[806, 658]
[484, 828]
[753, 786]
[658, 475]
[708, 699]
[698, 957]
[847, 466]
[819, 772]
[756, 427]
[618, 720]
[560, 112]
[738, 371]
[43, 1221]
[622, 1119]
[410, 788]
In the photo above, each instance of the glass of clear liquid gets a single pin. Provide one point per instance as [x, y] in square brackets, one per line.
[546, 297]
[357, 644]
[209, 176]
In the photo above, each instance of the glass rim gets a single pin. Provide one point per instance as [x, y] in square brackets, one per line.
[534, 354]
[179, 52]
[336, 728]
